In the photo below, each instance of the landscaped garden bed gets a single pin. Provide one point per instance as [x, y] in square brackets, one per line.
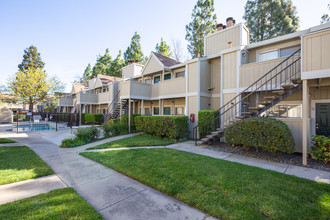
[136, 141]
[21, 163]
[220, 188]
[293, 159]
[57, 204]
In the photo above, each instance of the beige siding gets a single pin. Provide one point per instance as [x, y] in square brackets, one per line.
[230, 70]
[215, 103]
[152, 66]
[249, 73]
[86, 98]
[140, 89]
[316, 51]
[174, 87]
[128, 71]
[227, 97]
[295, 126]
[219, 41]
[124, 87]
[320, 92]
[103, 97]
[205, 76]
[192, 77]
[65, 101]
[215, 76]
[205, 103]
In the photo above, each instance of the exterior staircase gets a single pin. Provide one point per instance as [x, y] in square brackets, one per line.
[276, 85]
[114, 108]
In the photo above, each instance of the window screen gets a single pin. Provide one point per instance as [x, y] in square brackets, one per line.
[167, 110]
[180, 74]
[268, 55]
[285, 52]
[167, 76]
[156, 79]
[156, 110]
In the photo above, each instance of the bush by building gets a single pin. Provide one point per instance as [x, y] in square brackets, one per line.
[267, 134]
[90, 118]
[321, 148]
[174, 127]
[207, 121]
[82, 136]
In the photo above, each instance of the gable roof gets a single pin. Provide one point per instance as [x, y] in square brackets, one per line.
[105, 79]
[166, 61]
[78, 88]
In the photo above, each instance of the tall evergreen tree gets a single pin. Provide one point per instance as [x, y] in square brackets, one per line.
[117, 64]
[270, 18]
[163, 48]
[325, 18]
[134, 51]
[102, 64]
[31, 60]
[203, 22]
[87, 73]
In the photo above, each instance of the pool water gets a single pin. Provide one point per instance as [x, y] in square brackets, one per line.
[33, 127]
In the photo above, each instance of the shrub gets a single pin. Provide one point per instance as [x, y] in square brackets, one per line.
[68, 143]
[174, 127]
[93, 118]
[124, 122]
[267, 134]
[111, 128]
[206, 121]
[87, 134]
[321, 148]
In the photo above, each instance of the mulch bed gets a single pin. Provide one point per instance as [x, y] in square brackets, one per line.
[293, 159]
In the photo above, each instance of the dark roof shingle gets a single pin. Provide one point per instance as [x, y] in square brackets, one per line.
[166, 60]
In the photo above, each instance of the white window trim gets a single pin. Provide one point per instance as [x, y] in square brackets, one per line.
[175, 74]
[267, 51]
[179, 106]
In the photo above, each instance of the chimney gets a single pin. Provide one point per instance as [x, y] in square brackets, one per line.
[199, 54]
[136, 61]
[219, 27]
[224, 27]
[230, 21]
[129, 62]
[229, 44]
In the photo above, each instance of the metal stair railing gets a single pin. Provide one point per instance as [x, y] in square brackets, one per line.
[111, 107]
[280, 75]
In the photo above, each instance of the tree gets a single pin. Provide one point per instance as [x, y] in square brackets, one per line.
[325, 18]
[87, 73]
[31, 85]
[134, 51]
[177, 50]
[270, 18]
[163, 48]
[102, 64]
[116, 66]
[31, 59]
[203, 22]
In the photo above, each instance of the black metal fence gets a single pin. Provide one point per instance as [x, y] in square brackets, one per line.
[25, 121]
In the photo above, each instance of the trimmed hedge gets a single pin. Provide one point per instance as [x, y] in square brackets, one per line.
[267, 134]
[174, 127]
[124, 121]
[90, 118]
[206, 124]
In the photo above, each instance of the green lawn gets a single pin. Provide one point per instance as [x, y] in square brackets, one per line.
[136, 141]
[20, 163]
[57, 204]
[220, 188]
[6, 140]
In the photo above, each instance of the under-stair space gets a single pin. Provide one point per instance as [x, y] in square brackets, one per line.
[276, 85]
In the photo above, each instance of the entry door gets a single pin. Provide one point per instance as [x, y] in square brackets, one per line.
[323, 119]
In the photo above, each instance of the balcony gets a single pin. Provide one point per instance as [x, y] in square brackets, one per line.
[165, 89]
[87, 98]
[103, 97]
[65, 101]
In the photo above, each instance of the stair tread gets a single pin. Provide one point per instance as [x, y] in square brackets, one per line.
[247, 113]
[288, 86]
[270, 97]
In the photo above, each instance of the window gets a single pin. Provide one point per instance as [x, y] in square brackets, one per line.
[285, 52]
[156, 79]
[167, 110]
[148, 81]
[268, 55]
[156, 110]
[146, 111]
[167, 76]
[180, 74]
[284, 111]
[179, 110]
[104, 90]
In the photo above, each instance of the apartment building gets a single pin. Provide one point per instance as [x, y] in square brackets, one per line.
[287, 77]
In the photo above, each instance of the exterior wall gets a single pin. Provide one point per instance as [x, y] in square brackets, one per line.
[215, 103]
[193, 77]
[215, 76]
[316, 51]
[249, 73]
[86, 98]
[230, 70]
[295, 126]
[227, 97]
[205, 103]
[131, 70]
[172, 87]
[103, 97]
[218, 41]
[65, 101]
[152, 66]
[205, 76]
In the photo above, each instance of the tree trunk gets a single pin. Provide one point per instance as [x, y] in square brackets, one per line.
[31, 107]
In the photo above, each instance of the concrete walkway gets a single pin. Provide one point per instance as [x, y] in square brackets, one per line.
[112, 194]
[24, 189]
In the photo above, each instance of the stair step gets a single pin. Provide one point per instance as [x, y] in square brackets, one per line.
[296, 80]
[220, 129]
[239, 117]
[246, 113]
[205, 140]
[262, 103]
[270, 97]
[211, 136]
[278, 92]
[254, 108]
[288, 86]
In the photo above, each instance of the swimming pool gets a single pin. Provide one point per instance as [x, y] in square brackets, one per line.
[33, 127]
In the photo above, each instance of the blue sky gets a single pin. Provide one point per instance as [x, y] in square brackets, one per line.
[70, 34]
